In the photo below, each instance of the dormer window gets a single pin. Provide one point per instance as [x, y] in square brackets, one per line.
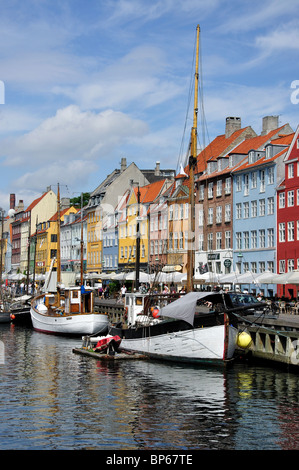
[268, 152]
[251, 157]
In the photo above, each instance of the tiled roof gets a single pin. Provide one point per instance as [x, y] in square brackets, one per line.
[261, 161]
[217, 147]
[149, 192]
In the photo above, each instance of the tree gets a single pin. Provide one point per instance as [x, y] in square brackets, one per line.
[76, 201]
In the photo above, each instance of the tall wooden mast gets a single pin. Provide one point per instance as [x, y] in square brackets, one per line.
[192, 166]
[58, 238]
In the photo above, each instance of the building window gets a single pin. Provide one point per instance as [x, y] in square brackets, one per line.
[253, 239]
[228, 185]
[270, 266]
[254, 209]
[218, 240]
[200, 242]
[271, 175]
[246, 240]
[290, 198]
[238, 210]
[210, 190]
[219, 188]
[281, 200]
[262, 266]
[262, 238]
[210, 241]
[210, 216]
[270, 237]
[253, 267]
[246, 210]
[246, 185]
[291, 170]
[254, 179]
[227, 212]
[262, 181]
[270, 205]
[262, 207]
[227, 239]
[218, 214]
[239, 240]
[281, 232]
[291, 231]
[239, 183]
[282, 266]
[291, 265]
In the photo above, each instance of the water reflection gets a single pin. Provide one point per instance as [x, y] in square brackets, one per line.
[51, 398]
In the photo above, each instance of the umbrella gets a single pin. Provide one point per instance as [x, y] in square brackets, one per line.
[119, 277]
[292, 277]
[92, 276]
[267, 277]
[143, 277]
[246, 278]
[229, 278]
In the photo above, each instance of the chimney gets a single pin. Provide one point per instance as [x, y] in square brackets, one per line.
[123, 164]
[232, 125]
[269, 124]
[157, 169]
[12, 201]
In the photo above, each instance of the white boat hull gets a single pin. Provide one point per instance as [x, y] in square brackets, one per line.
[78, 324]
[206, 345]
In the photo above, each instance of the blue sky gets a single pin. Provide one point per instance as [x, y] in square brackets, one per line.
[89, 82]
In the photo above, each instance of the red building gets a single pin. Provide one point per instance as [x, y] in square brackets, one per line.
[288, 219]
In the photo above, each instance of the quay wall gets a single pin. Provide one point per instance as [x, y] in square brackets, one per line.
[273, 339]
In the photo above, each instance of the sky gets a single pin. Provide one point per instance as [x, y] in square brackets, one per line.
[85, 83]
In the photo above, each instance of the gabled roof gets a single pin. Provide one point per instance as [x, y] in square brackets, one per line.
[255, 143]
[291, 147]
[62, 212]
[149, 192]
[35, 202]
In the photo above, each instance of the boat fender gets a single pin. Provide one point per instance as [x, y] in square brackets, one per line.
[12, 316]
[244, 340]
[156, 312]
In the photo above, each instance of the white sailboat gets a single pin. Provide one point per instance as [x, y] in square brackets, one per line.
[183, 330]
[69, 310]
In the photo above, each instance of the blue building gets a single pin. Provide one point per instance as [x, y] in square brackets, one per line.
[254, 206]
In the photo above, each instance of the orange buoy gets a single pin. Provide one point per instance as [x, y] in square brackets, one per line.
[156, 312]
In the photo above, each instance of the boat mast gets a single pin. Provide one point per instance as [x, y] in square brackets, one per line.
[81, 241]
[58, 238]
[192, 167]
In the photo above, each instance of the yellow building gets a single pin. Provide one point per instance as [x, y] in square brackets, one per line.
[127, 225]
[94, 240]
[46, 241]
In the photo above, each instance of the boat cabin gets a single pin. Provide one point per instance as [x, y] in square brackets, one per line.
[72, 300]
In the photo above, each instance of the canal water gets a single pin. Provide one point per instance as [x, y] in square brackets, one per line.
[53, 399]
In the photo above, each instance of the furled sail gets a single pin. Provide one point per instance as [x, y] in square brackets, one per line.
[184, 307]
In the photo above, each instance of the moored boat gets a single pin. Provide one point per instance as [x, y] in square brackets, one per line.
[199, 327]
[70, 312]
[20, 310]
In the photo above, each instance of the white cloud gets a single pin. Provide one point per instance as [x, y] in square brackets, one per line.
[75, 172]
[285, 37]
[72, 134]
